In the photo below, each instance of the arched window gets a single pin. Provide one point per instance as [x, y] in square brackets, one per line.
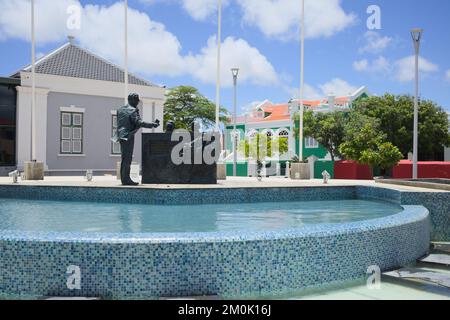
[252, 134]
[284, 133]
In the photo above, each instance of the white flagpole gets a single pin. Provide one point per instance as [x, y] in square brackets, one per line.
[126, 52]
[33, 85]
[219, 40]
[302, 73]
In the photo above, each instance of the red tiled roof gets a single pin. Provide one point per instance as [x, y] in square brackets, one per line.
[280, 112]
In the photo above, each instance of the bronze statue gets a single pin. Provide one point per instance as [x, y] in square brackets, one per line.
[128, 123]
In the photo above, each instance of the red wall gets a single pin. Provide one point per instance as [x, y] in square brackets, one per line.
[425, 170]
[351, 170]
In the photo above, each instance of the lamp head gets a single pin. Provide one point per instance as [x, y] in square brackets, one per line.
[235, 72]
[416, 34]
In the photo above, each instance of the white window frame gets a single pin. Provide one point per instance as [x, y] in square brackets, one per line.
[311, 143]
[71, 139]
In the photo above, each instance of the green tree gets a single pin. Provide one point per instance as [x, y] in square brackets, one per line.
[385, 157]
[185, 104]
[366, 143]
[261, 146]
[327, 129]
[396, 116]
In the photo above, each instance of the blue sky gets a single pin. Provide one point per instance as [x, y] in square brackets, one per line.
[172, 43]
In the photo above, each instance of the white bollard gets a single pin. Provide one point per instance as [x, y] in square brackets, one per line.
[326, 176]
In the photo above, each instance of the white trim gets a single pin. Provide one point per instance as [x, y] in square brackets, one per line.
[72, 109]
[115, 155]
[114, 112]
[71, 155]
[91, 87]
[43, 91]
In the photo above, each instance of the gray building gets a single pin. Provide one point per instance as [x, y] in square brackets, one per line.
[77, 95]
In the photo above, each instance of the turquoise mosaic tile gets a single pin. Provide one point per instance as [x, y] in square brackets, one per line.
[229, 264]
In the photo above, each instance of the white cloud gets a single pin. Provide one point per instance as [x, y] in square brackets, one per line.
[50, 19]
[309, 92]
[374, 42]
[281, 18]
[404, 69]
[381, 64]
[254, 67]
[447, 75]
[198, 9]
[361, 65]
[337, 87]
[201, 9]
[152, 49]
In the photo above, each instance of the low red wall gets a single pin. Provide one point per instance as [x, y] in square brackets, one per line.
[425, 170]
[350, 170]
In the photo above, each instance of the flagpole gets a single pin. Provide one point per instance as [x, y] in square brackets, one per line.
[126, 52]
[33, 85]
[219, 40]
[302, 73]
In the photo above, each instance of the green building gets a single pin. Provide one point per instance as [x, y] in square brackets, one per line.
[276, 120]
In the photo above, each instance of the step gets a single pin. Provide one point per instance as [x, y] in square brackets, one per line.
[442, 247]
[437, 258]
[440, 279]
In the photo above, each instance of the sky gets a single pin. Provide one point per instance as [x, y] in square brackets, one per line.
[174, 42]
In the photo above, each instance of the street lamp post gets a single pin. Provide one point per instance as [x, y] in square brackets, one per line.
[416, 36]
[235, 72]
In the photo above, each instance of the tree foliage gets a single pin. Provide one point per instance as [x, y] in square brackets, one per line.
[327, 129]
[261, 146]
[396, 118]
[366, 143]
[185, 104]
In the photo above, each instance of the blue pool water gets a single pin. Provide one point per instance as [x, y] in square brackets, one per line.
[30, 215]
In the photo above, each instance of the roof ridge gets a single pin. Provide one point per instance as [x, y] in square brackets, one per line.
[130, 74]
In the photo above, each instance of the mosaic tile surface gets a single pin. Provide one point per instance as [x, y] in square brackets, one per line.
[227, 264]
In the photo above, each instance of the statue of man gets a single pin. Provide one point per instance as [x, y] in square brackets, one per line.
[128, 123]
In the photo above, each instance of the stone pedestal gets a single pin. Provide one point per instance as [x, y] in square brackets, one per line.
[158, 168]
[33, 170]
[118, 170]
[221, 171]
[300, 171]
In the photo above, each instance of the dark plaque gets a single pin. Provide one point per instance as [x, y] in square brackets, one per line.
[158, 168]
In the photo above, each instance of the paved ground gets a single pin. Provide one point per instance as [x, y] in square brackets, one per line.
[231, 182]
